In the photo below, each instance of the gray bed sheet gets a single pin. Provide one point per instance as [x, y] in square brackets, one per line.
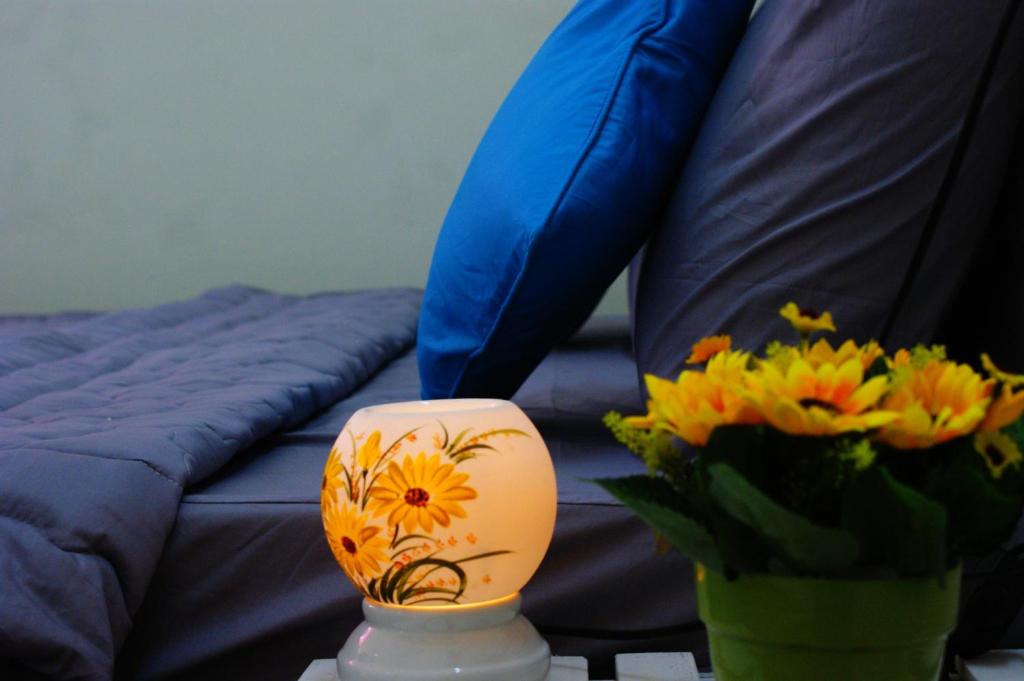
[247, 588]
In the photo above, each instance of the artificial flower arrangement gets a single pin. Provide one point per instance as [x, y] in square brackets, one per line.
[832, 462]
[827, 496]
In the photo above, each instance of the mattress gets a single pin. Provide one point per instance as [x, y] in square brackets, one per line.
[247, 588]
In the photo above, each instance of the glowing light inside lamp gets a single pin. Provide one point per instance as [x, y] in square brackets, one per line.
[439, 503]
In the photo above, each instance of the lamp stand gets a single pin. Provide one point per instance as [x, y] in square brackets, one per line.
[488, 641]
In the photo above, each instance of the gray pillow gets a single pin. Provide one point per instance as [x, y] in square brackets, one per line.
[816, 169]
[987, 314]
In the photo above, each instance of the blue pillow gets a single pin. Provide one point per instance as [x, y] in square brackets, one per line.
[574, 171]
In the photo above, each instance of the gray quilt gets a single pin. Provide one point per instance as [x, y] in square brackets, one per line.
[105, 419]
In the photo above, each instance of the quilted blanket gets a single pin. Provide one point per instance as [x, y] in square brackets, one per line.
[106, 419]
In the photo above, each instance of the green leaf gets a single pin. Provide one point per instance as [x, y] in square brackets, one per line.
[879, 367]
[399, 582]
[479, 556]
[655, 447]
[1016, 432]
[386, 452]
[799, 542]
[458, 439]
[741, 447]
[980, 515]
[503, 431]
[895, 524]
[743, 551]
[410, 537]
[470, 448]
[1012, 481]
[656, 503]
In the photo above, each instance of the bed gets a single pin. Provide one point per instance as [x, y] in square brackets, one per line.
[159, 487]
[159, 467]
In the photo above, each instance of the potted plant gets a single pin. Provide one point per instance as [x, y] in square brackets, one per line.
[827, 496]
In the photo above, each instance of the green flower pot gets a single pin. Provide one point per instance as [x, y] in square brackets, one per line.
[765, 628]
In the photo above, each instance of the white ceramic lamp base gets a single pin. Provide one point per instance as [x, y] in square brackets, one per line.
[488, 641]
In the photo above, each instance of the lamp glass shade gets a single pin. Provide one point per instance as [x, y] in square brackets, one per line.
[439, 503]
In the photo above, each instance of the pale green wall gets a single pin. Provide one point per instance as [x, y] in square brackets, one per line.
[150, 149]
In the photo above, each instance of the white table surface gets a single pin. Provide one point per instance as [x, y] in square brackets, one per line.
[998, 665]
[634, 667]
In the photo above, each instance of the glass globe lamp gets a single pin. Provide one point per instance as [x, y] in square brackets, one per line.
[439, 512]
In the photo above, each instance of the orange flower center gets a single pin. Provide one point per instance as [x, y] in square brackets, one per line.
[812, 402]
[417, 496]
[323, 484]
[348, 545]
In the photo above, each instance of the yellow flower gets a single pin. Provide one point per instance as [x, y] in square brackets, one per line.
[822, 352]
[729, 368]
[1005, 409]
[358, 548]
[419, 493]
[333, 477]
[998, 450]
[900, 359]
[807, 321]
[644, 422]
[369, 453]
[936, 403]
[918, 357]
[823, 400]
[861, 454]
[782, 356]
[706, 348]
[1009, 405]
[696, 403]
[1014, 380]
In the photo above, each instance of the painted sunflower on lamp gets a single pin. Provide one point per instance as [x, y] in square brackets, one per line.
[439, 512]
